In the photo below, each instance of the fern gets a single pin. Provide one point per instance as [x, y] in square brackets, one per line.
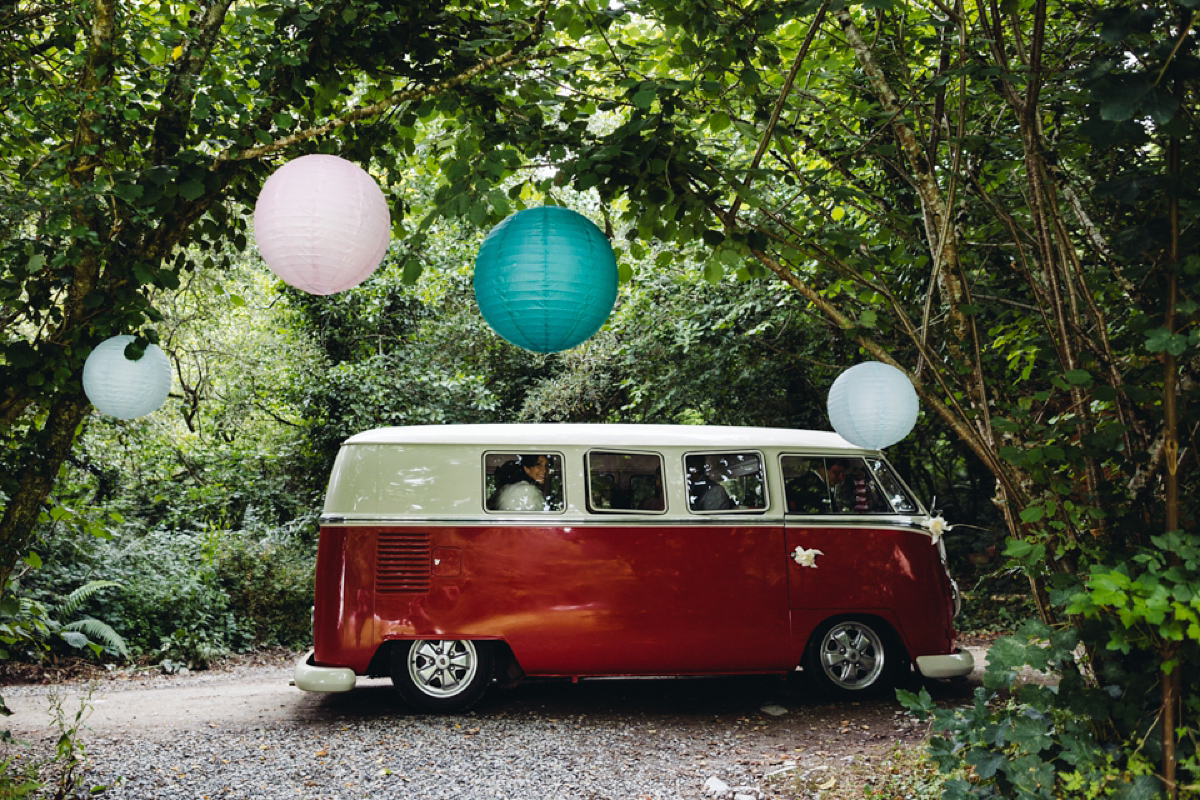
[101, 632]
[71, 604]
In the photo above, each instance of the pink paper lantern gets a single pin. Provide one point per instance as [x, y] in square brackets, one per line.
[322, 224]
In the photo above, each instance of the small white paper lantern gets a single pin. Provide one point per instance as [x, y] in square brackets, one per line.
[122, 388]
[873, 405]
[322, 224]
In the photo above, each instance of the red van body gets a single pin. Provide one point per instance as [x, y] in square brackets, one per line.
[420, 578]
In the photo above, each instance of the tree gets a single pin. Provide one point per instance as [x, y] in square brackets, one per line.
[138, 135]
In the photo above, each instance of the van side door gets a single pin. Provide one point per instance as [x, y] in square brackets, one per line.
[840, 559]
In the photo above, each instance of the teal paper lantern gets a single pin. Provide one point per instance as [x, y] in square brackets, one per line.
[873, 405]
[546, 279]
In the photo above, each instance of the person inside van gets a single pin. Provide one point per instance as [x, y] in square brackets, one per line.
[840, 486]
[808, 492]
[705, 492]
[520, 484]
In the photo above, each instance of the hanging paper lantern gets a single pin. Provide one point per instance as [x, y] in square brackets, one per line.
[873, 405]
[546, 278]
[122, 388]
[322, 224]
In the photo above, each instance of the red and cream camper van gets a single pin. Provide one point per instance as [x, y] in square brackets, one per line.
[454, 556]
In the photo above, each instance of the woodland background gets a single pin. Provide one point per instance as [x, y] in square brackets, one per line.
[999, 198]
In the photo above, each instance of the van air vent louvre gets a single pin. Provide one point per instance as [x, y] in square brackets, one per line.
[402, 563]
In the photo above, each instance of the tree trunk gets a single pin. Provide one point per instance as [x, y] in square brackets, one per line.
[53, 444]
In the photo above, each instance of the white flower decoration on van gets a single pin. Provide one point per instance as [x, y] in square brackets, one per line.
[937, 528]
[806, 558]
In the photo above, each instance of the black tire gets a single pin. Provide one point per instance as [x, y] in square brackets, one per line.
[854, 657]
[442, 676]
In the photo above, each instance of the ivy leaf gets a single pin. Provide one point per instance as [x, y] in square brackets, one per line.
[1160, 339]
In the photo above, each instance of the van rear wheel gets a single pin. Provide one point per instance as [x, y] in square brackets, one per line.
[853, 657]
[442, 675]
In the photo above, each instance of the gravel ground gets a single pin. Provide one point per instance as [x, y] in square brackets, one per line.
[523, 758]
[610, 740]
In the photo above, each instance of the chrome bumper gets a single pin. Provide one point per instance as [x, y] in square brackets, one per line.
[311, 678]
[954, 665]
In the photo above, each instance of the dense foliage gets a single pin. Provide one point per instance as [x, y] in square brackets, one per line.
[999, 198]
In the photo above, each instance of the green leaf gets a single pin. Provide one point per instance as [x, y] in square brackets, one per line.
[1123, 99]
[1079, 377]
[644, 98]
[412, 271]
[1033, 514]
[129, 192]
[74, 638]
[192, 189]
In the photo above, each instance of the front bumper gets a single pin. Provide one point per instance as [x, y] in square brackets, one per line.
[954, 665]
[311, 678]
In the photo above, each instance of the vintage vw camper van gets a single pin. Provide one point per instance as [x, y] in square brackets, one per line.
[455, 556]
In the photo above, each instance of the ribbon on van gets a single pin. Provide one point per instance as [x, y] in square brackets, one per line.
[937, 528]
[806, 558]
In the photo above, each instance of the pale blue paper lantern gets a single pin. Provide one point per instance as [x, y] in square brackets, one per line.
[546, 278]
[122, 388]
[873, 405]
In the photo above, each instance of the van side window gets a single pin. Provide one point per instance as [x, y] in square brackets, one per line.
[625, 482]
[835, 486]
[725, 482]
[523, 482]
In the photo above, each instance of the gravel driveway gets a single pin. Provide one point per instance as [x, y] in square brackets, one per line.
[245, 733]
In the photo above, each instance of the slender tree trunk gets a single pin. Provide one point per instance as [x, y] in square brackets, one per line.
[1171, 681]
[53, 444]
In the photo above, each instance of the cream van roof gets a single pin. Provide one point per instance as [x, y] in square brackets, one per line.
[532, 436]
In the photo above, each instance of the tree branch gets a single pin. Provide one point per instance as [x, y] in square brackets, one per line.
[507, 59]
[783, 95]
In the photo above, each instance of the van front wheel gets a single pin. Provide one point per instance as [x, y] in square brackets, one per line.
[852, 658]
[442, 675]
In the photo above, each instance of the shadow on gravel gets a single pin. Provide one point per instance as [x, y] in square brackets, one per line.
[671, 697]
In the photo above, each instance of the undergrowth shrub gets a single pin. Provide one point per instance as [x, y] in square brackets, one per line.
[1091, 732]
[269, 582]
[186, 597]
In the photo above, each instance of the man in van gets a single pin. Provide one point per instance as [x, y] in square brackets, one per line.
[705, 492]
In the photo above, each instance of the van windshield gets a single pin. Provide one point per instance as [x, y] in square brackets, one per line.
[824, 485]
